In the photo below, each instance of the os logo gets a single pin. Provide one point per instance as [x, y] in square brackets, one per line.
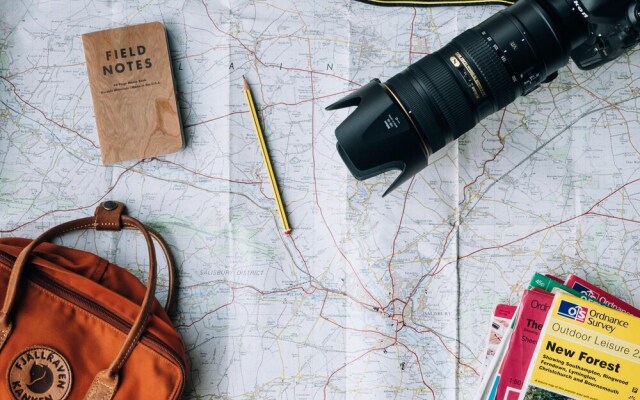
[584, 290]
[572, 311]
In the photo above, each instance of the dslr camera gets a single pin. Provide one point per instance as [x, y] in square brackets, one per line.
[398, 124]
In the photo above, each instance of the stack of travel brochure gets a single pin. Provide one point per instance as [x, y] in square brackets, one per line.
[564, 340]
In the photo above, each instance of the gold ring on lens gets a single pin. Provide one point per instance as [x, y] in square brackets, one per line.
[425, 146]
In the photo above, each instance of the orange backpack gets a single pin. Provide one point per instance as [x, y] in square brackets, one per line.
[75, 326]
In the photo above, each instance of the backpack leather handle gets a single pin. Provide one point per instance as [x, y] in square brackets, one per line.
[109, 215]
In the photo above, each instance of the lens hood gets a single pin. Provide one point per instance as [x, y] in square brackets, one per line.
[379, 135]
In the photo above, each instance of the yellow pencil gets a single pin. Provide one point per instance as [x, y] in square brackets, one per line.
[265, 155]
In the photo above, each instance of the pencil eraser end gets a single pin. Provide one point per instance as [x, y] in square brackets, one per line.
[288, 232]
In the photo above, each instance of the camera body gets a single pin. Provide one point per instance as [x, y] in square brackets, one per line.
[614, 27]
[400, 123]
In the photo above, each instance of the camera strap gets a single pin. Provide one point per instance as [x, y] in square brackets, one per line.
[430, 3]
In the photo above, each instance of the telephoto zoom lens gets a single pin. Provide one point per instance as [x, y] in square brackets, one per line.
[400, 123]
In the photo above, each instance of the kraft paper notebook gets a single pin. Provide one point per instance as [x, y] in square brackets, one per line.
[133, 92]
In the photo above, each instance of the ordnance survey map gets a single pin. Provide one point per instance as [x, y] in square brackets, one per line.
[370, 297]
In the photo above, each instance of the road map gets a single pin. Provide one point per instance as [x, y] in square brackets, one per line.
[370, 297]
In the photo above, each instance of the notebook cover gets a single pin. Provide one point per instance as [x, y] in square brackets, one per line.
[133, 92]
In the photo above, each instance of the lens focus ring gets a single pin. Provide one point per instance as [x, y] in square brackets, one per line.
[488, 64]
[435, 99]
